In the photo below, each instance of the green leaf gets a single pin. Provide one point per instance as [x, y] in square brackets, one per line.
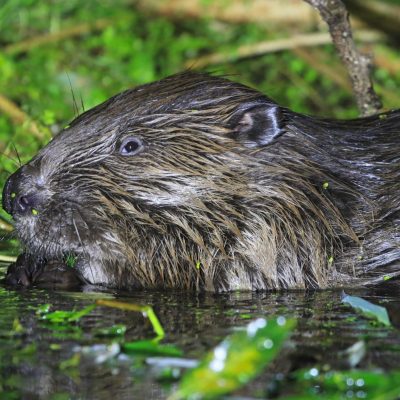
[72, 362]
[151, 347]
[63, 317]
[43, 309]
[237, 360]
[367, 308]
[147, 311]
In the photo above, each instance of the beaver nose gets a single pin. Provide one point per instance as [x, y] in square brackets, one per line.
[15, 201]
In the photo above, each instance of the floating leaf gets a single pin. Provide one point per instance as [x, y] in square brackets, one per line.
[72, 362]
[147, 311]
[367, 308]
[151, 347]
[237, 360]
[43, 309]
[63, 317]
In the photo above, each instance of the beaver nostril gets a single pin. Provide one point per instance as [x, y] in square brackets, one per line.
[24, 203]
[21, 194]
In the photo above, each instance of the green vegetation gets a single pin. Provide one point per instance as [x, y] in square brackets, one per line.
[315, 384]
[60, 58]
[251, 351]
[237, 360]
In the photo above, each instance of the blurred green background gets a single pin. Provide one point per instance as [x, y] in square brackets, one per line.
[60, 57]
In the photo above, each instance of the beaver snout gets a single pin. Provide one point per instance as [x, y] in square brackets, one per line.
[20, 194]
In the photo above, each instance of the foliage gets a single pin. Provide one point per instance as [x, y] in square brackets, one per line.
[237, 360]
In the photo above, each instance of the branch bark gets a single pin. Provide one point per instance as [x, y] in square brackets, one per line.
[334, 13]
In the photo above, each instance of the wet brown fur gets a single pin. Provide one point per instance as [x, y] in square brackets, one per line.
[230, 192]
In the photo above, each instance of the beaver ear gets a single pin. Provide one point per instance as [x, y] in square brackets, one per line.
[257, 125]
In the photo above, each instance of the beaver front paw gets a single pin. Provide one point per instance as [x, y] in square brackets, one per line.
[24, 271]
[28, 271]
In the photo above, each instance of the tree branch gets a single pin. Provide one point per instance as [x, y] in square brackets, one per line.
[334, 13]
[272, 46]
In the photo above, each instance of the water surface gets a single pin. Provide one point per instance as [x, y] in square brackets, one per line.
[35, 357]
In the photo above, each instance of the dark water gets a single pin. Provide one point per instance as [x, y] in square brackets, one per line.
[33, 362]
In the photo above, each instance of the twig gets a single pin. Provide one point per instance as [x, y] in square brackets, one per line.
[4, 258]
[334, 13]
[232, 11]
[312, 39]
[77, 30]
[18, 117]
[5, 226]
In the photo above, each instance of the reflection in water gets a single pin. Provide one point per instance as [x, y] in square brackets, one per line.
[34, 357]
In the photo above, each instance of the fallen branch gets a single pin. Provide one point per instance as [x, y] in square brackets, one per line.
[233, 11]
[358, 65]
[312, 39]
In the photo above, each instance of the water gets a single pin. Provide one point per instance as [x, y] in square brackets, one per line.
[37, 363]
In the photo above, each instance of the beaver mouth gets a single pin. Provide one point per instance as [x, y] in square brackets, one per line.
[57, 232]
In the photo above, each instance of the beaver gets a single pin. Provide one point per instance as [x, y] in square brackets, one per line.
[198, 182]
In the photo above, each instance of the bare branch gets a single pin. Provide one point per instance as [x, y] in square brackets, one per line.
[271, 46]
[293, 12]
[334, 13]
[18, 117]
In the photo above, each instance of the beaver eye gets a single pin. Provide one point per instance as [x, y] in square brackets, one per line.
[130, 146]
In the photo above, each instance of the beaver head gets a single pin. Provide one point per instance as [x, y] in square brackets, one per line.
[190, 182]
